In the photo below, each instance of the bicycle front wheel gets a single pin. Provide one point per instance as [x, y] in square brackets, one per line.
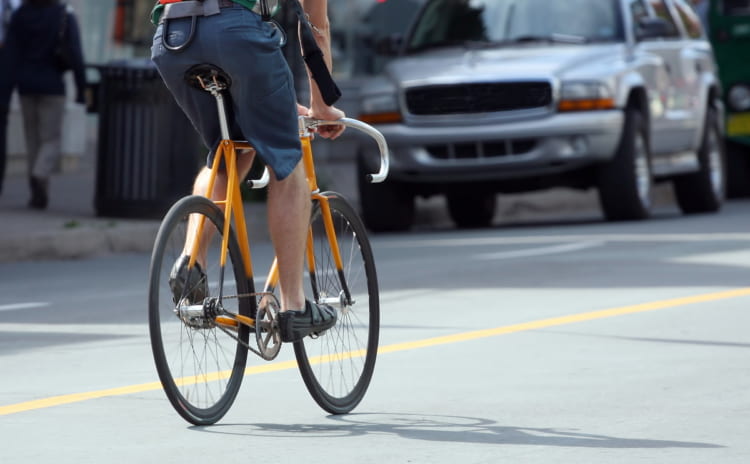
[337, 366]
[200, 361]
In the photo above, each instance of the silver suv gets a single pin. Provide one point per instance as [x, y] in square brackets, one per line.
[503, 96]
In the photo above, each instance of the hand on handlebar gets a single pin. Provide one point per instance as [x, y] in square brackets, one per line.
[325, 113]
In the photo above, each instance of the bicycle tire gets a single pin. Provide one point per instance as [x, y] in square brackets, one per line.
[337, 366]
[200, 365]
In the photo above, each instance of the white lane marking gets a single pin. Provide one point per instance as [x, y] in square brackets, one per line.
[17, 306]
[739, 258]
[517, 240]
[116, 330]
[564, 248]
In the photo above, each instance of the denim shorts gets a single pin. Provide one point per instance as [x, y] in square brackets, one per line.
[262, 108]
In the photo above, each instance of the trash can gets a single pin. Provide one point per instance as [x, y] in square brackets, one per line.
[148, 152]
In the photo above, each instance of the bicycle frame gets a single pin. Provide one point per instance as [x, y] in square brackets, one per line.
[234, 213]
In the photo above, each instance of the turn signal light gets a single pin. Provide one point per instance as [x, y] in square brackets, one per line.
[587, 105]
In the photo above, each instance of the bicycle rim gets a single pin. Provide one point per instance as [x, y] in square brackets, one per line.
[337, 366]
[200, 364]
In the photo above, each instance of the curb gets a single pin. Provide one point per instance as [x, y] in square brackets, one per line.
[79, 242]
[62, 238]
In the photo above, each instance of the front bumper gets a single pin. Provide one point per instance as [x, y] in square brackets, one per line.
[467, 152]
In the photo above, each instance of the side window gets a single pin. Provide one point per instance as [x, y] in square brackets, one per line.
[690, 19]
[638, 11]
[662, 11]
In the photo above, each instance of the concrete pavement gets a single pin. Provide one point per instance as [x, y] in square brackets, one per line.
[69, 228]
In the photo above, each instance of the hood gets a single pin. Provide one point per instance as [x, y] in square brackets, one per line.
[458, 64]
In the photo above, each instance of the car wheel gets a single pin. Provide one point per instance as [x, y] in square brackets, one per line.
[386, 206]
[472, 209]
[738, 169]
[704, 191]
[625, 183]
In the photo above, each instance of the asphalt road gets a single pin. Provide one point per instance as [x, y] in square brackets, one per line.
[566, 341]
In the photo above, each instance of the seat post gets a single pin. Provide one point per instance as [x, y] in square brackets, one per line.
[215, 90]
[213, 80]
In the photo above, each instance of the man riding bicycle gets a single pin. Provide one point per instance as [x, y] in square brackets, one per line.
[236, 36]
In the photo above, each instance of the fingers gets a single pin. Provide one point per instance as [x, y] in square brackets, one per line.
[302, 110]
[331, 132]
[328, 113]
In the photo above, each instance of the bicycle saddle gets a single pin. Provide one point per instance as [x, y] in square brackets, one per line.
[201, 75]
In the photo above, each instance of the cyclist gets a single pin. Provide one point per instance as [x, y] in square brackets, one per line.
[263, 102]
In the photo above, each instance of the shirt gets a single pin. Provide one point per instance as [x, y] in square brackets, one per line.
[32, 37]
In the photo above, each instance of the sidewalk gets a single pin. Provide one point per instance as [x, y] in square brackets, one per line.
[69, 227]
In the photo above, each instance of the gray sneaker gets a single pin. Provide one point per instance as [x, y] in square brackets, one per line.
[190, 285]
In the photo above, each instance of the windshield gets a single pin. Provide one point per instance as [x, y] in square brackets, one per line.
[736, 7]
[495, 22]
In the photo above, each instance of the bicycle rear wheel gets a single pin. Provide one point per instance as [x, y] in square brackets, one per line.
[200, 363]
[337, 366]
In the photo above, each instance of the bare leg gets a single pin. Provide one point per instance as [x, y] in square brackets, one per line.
[288, 221]
[200, 187]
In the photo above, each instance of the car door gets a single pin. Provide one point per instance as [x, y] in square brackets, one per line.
[682, 61]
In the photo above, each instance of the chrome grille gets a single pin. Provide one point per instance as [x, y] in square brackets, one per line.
[478, 98]
[475, 150]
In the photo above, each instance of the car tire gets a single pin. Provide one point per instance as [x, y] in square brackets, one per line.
[470, 210]
[738, 169]
[387, 206]
[704, 191]
[625, 183]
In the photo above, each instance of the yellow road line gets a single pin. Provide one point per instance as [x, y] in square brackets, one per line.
[462, 337]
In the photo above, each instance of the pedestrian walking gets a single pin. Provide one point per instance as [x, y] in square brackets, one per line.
[6, 81]
[43, 43]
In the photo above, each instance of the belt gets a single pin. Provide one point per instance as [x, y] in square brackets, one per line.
[192, 8]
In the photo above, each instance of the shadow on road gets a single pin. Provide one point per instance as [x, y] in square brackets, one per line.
[438, 428]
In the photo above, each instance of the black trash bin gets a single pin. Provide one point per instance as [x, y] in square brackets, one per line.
[148, 153]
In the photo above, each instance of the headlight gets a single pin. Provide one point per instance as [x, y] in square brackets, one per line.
[585, 96]
[380, 109]
[739, 97]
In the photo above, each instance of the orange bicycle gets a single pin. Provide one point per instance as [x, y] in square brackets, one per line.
[200, 347]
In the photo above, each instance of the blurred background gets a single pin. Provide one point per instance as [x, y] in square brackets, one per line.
[117, 33]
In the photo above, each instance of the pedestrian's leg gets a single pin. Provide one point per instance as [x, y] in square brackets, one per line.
[4, 110]
[6, 89]
[49, 153]
[30, 115]
[288, 221]
[50, 117]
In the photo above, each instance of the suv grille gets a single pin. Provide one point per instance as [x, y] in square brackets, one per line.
[478, 98]
[475, 150]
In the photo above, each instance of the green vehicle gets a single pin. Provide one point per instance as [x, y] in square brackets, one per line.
[729, 29]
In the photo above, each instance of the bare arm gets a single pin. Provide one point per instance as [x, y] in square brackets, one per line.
[317, 10]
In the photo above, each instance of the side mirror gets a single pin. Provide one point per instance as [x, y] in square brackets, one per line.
[651, 28]
[389, 45]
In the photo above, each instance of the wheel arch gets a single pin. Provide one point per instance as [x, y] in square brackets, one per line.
[638, 99]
